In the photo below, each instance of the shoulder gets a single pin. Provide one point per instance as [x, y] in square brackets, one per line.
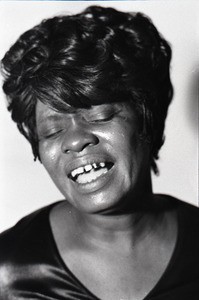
[188, 214]
[22, 249]
[180, 281]
[29, 230]
[188, 209]
[187, 220]
[187, 248]
[184, 209]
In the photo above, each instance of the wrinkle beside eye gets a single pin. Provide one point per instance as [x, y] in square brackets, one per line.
[49, 134]
[100, 118]
[104, 115]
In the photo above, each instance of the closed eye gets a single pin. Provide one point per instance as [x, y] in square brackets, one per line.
[101, 119]
[50, 135]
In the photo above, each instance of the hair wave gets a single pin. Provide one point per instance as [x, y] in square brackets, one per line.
[98, 56]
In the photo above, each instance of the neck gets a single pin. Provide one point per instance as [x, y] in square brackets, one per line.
[125, 227]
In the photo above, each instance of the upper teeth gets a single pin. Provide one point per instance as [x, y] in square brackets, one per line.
[87, 168]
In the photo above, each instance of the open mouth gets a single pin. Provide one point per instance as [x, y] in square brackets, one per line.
[90, 172]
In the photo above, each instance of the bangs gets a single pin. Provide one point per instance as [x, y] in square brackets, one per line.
[78, 88]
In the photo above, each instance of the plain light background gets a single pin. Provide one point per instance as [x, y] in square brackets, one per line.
[25, 185]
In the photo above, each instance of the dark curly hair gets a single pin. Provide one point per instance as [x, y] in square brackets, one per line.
[98, 56]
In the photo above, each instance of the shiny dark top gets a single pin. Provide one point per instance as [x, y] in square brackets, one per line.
[32, 268]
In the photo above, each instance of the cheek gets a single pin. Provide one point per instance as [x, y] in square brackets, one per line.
[133, 151]
[127, 139]
[49, 156]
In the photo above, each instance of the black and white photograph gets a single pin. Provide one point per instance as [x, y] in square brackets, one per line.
[99, 150]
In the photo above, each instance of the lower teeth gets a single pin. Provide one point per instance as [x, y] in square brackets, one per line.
[91, 176]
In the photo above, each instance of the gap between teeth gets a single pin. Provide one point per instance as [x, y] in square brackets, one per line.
[86, 168]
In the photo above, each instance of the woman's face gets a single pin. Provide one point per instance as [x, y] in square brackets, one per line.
[94, 156]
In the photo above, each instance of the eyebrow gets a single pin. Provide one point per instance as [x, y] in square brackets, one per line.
[56, 115]
[52, 117]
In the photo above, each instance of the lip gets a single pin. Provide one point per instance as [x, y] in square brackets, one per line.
[95, 185]
[86, 160]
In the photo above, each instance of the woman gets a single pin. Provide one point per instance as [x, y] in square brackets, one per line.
[91, 92]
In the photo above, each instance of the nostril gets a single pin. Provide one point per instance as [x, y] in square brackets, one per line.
[78, 142]
[87, 145]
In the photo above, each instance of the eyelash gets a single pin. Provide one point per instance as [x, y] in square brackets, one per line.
[101, 120]
[53, 135]
[92, 121]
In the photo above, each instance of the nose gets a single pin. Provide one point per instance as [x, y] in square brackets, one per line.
[77, 138]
